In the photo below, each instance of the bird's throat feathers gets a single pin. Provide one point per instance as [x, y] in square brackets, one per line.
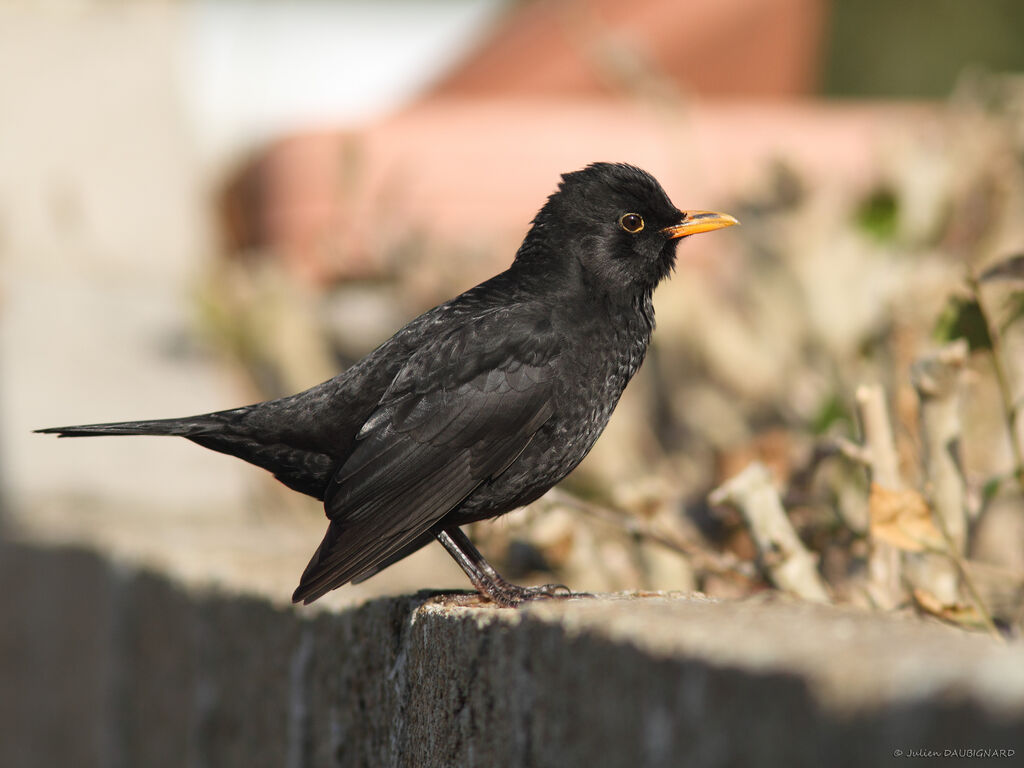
[559, 256]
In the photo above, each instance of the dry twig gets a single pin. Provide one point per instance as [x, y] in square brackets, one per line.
[936, 379]
[884, 564]
[790, 565]
[722, 564]
[1011, 407]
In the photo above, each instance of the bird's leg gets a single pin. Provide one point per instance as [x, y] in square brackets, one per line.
[480, 581]
[488, 581]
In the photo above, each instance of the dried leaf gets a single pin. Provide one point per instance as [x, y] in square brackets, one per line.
[902, 519]
[956, 613]
[1009, 269]
[963, 319]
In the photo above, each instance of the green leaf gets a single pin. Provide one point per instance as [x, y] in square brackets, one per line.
[991, 488]
[878, 214]
[832, 411]
[962, 318]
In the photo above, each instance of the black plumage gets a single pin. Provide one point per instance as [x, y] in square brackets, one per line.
[481, 404]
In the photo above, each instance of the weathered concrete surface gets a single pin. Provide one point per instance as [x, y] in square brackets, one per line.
[106, 666]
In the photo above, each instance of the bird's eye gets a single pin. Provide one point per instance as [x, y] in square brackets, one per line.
[631, 222]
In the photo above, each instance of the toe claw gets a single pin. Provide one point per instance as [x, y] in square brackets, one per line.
[556, 590]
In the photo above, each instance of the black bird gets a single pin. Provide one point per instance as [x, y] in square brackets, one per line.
[481, 404]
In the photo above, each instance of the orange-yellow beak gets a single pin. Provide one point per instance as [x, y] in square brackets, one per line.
[695, 222]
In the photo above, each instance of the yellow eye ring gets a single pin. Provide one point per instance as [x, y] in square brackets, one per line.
[631, 222]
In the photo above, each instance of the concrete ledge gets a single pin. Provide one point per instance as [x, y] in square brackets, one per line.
[104, 665]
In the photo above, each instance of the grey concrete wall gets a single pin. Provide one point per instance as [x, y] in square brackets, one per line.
[106, 666]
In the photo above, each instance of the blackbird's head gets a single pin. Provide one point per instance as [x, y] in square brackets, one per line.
[614, 224]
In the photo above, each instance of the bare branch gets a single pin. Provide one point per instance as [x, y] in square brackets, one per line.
[937, 380]
[790, 565]
[1010, 406]
[884, 563]
[852, 450]
[725, 564]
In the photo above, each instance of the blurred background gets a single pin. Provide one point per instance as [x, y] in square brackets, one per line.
[204, 204]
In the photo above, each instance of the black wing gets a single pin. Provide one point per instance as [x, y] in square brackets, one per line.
[458, 414]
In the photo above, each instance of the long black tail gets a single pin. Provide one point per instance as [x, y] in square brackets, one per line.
[190, 426]
[306, 468]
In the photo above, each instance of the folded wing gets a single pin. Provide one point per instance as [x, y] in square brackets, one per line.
[422, 452]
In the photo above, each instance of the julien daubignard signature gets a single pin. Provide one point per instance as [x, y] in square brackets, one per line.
[967, 752]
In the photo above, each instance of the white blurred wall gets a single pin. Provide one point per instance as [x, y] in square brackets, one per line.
[252, 70]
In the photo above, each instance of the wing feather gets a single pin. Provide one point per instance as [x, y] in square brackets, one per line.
[419, 455]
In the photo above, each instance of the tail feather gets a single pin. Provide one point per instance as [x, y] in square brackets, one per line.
[305, 468]
[187, 427]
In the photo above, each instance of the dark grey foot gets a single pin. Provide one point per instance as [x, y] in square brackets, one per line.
[488, 582]
[510, 595]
